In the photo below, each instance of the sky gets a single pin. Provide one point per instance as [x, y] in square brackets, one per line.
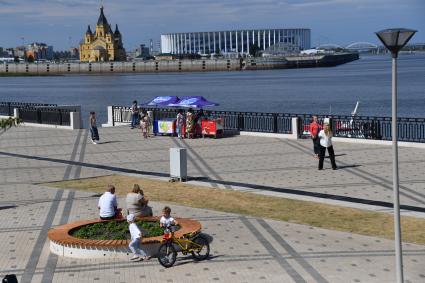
[62, 23]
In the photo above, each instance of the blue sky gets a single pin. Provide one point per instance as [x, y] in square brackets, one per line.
[62, 23]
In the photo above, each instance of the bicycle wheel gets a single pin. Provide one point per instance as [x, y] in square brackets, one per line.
[167, 255]
[201, 248]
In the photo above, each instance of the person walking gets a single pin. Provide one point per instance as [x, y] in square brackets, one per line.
[145, 124]
[314, 134]
[93, 128]
[134, 114]
[190, 123]
[180, 124]
[136, 240]
[325, 136]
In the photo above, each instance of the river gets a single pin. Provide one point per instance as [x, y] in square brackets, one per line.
[333, 90]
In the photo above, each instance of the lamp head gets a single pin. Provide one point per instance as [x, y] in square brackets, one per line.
[395, 39]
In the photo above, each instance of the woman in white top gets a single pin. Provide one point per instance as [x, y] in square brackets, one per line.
[325, 136]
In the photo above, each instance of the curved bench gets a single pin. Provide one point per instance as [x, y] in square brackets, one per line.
[63, 244]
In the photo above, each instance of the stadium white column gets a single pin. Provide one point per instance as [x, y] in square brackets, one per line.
[278, 35]
[209, 43]
[269, 37]
[215, 46]
[264, 39]
[274, 37]
[199, 43]
[247, 42]
[230, 41]
[203, 42]
[190, 42]
[219, 41]
[170, 37]
[242, 44]
[225, 42]
[236, 41]
[258, 38]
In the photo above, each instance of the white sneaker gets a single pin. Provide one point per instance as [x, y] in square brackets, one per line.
[93, 142]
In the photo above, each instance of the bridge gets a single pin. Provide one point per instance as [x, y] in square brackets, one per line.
[362, 46]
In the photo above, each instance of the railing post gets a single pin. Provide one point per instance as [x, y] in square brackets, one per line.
[274, 122]
[9, 109]
[295, 128]
[120, 115]
[16, 113]
[60, 117]
[111, 116]
[241, 122]
[38, 111]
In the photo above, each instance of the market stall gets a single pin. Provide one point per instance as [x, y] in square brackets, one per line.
[164, 126]
[212, 127]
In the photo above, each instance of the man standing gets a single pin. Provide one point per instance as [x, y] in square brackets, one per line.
[134, 114]
[314, 133]
[108, 204]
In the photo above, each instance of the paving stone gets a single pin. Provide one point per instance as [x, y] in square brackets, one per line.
[238, 254]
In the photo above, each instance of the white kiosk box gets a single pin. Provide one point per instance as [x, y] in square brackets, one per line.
[178, 163]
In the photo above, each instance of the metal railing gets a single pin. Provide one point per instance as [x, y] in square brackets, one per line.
[359, 127]
[232, 121]
[6, 108]
[43, 115]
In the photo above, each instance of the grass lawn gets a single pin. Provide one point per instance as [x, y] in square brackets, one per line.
[302, 212]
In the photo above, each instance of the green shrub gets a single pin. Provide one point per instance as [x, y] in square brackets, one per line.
[116, 230]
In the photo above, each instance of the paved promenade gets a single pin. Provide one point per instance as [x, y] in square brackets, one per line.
[244, 249]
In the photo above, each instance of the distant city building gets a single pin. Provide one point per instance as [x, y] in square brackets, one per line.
[74, 52]
[19, 51]
[39, 51]
[103, 45]
[143, 51]
[237, 42]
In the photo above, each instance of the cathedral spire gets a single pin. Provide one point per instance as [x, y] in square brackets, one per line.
[102, 21]
[117, 32]
[89, 30]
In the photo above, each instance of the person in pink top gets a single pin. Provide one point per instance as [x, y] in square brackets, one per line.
[314, 134]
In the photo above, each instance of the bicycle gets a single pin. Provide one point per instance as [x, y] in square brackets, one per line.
[194, 243]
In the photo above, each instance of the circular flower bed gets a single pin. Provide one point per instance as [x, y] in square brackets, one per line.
[84, 239]
[116, 230]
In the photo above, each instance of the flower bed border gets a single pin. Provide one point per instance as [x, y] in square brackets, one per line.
[60, 236]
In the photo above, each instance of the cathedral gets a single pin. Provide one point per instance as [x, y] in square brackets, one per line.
[104, 45]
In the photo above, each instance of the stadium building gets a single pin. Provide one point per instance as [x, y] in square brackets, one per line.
[236, 42]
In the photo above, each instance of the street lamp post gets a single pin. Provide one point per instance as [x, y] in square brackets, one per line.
[394, 40]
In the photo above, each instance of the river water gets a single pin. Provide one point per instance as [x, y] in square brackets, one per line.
[332, 90]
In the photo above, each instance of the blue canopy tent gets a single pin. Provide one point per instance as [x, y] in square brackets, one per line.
[162, 101]
[193, 102]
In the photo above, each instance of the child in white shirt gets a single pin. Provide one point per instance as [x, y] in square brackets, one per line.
[166, 219]
[136, 239]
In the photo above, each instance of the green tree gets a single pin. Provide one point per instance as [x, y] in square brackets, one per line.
[254, 50]
[6, 124]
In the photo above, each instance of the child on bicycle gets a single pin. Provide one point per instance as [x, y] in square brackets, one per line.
[136, 239]
[166, 219]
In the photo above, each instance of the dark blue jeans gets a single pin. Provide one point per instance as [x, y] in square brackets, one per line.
[134, 120]
[94, 133]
